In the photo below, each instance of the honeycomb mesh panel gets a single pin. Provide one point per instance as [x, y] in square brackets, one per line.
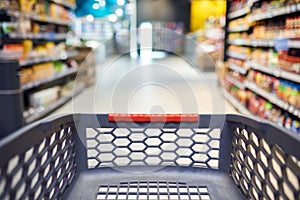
[173, 147]
[152, 190]
[263, 171]
[42, 172]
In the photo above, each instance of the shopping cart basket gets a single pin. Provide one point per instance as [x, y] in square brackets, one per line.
[186, 157]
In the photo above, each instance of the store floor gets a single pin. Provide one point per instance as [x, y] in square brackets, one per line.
[168, 85]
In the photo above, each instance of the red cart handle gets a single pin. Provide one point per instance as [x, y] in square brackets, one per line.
[153, 117]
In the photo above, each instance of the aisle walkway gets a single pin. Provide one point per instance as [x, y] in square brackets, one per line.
[168, 85]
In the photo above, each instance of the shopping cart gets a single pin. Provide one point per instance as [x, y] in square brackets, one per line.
[151, 157]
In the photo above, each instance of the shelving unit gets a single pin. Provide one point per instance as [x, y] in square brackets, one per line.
[238, 13]
[239, 29]
[61, 56]
[237, 68]
[275, 12]
[42, 112]
[275, 72]
[273, 98]
[65, 3]
[19, 95]
[51, 20]
[237, 55]
[240, 107]
[38, 36]
[34, 84]
[236, 82]
[287, 39]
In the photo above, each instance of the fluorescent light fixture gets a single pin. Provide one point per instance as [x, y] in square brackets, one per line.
[146, 40]
[90, 18]
[112, 18]
[119, 12]
[102, 3]
[121, 2]
[96, 6]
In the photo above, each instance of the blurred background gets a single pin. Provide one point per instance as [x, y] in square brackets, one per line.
[149, 56]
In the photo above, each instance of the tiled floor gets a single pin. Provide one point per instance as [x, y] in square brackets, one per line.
[168, 85]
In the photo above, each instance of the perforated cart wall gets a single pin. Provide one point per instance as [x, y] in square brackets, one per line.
[91, 157]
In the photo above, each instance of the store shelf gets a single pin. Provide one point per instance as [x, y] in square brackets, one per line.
[240, 42]
[236, 104]
[64, 3]
[35, 17]
[294, 44]
[275, 72]
[290, 76]
[48, 80]
[236, 82]
[237, 68]
[275, 12]
[251, 2]
[273, 98]
[237, 55]
[262, 43]
[41, 112]
[239, 13]
[61, 56]
[38, 36]
[238, 29]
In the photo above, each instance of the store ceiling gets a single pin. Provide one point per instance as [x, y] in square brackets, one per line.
[97, 8]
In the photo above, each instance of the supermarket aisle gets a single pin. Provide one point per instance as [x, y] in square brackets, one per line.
[168, 85]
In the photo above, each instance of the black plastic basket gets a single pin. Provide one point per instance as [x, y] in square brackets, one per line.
[109, 157]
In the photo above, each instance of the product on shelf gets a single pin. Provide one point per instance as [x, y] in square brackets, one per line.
[285, 90]
[238, 62]
[237, 76]
[280, 28]
[289, 63]
[58, 11]
[238, 5]
[44, 98]
[240, 50]
[244, 36]
[274, 52]
[243, 23]
[42, 71]
[260, 107]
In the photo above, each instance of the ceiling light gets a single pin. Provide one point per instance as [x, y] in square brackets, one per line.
[90, 18]
[119, 12]
[102, 3]
[96, 6]
[112, 18]
[121, 2]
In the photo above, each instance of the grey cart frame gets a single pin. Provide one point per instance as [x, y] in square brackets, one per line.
[86, 156]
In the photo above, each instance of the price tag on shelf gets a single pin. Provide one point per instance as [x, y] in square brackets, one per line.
[276, 72]
[287, 9]
[293, 8]
[296, 112]
[269, 14]
[281, 44]
[286, 106]
[291, 109]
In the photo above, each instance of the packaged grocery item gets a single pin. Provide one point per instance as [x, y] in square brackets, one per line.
[288, 123]
[272, 60]
[44, 70]
[4, 4]
[12, 4]
[295, 126]
[26, 75]
[26, 6]
[9, 27]
[44, 98]
[27, 46]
